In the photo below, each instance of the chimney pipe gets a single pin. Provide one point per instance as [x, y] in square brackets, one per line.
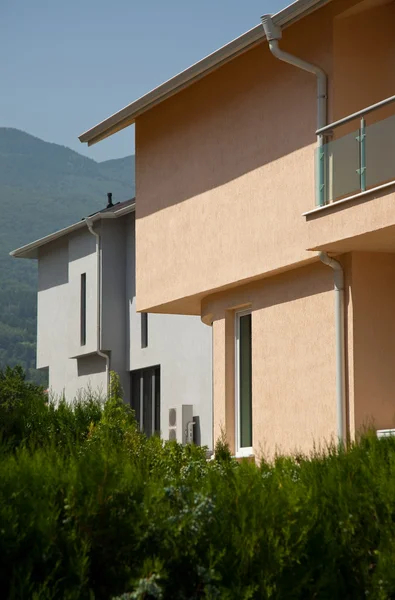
[109, 200]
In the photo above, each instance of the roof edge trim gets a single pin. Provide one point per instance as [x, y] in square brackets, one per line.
[31, 250]
[127, 115]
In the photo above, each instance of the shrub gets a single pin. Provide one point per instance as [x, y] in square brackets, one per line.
[91, 508]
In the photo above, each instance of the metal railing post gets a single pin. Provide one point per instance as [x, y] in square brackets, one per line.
[362, 154]
[321, 190]
[324, 173]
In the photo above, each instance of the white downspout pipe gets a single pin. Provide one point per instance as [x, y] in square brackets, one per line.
[340, 343]
[273, 35]
[99, 290]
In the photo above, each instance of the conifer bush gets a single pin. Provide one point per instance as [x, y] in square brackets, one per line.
[92, 509]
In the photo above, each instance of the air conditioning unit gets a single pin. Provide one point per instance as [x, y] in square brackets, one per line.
[181, 424]
[385, 432]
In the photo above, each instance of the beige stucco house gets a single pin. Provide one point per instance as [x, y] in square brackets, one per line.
[282, 239]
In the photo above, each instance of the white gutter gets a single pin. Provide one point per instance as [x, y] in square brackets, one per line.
[338, 274]
[127, 116]
[99, 289]
[31, 250]
[273, 35]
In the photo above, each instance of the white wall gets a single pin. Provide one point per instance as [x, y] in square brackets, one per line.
[52, 301]
[180, 345]
[82, 259]
[60, 266]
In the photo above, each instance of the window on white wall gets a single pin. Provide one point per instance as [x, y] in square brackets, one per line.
[243, 395]
[145, 399]
[144, 330]
[83, 310]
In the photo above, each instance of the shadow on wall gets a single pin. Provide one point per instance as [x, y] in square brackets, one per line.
[289, 286]
[82, 243]
[235, 120]
[53, 265]
[90, 365]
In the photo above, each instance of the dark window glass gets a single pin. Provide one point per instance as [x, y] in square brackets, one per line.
[157, 400]
[245, 391]
[83, 310]
[145, 398]
[144, 330]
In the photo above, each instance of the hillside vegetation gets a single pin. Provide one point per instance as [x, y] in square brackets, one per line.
[43, 187]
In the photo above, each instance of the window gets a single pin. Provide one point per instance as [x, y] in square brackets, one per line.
[145, 399]
[144, 330]
[83, 310]
[243, 394]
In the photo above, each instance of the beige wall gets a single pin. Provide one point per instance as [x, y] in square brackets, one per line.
[373, 301]
[293, 359]
[223, 174]
[363, 73]
[293, 345]
[225, 169]
[363, 61]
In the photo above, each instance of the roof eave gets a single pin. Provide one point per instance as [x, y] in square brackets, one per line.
[129, 114]
[31, 251]
[245, 42]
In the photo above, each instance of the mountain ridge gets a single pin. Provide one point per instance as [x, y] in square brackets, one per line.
[44, 186]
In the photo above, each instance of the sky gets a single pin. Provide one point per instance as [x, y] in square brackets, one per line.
[68, 64]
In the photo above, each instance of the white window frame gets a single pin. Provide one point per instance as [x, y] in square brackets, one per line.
[240, 451]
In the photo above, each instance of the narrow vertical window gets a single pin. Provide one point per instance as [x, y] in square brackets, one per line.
[144, 330]
[157, 399]
[243, 383]
[83, 310]
[145, 399]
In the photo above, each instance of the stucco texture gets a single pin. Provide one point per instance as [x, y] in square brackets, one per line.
[293, 360]
[225, 168]
[373, 296]
[179, 344]
[293, 354]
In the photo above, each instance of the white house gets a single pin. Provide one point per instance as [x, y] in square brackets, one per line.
[87, 326]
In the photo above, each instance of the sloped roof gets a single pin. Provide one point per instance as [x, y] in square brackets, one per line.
[127, 116]
[115, 211]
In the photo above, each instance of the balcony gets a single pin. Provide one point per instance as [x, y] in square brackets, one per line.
[359, 161]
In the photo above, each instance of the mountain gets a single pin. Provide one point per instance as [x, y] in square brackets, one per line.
[43, 187]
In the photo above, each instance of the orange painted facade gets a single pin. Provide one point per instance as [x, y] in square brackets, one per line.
[225, 199]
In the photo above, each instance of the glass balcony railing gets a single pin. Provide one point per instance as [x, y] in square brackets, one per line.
[358, 161]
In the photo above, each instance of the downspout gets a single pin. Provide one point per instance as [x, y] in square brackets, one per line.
[340, 343]
[273, 35]
[99, 352]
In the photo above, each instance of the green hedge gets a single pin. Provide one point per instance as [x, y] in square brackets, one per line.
[89, 508]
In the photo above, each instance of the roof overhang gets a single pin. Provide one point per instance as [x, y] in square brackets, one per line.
[31, 250]
[128, 115]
